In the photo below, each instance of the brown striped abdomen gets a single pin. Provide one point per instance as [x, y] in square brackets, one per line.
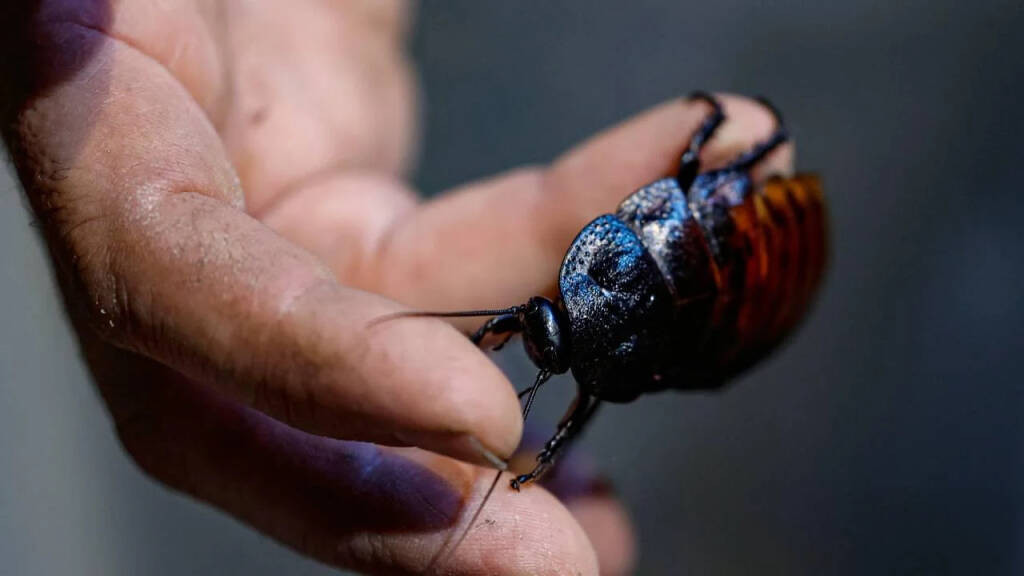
[769, 248]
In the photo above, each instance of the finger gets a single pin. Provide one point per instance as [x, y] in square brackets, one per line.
[607, 526]
[589, 497]
[500, 241]
[320, 87]
[352, 505]
[603, 517]
[294, 88]
[142, 211]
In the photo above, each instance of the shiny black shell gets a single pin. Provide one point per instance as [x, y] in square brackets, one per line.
[685, 289]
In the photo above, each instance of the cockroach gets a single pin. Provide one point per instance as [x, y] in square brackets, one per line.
[691, 281]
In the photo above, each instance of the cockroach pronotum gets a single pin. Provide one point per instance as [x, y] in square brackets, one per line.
[692, 280]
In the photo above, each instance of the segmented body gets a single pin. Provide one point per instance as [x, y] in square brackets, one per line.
[684, 290]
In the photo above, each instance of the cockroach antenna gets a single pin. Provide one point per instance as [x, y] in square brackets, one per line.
[431, 314]
[542, 377]
[504, 321]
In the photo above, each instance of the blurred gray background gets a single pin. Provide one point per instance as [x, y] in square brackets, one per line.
[886, 439]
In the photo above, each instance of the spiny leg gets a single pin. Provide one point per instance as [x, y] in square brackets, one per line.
[503, 341]
[689, 163]
[508, 324]
[568, 429]
[747, 161]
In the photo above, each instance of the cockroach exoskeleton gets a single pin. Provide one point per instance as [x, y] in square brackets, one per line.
[692, 280]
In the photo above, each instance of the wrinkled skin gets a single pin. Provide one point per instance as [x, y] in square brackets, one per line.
[222, 189]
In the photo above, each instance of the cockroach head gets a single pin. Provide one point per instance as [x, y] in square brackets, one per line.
[546, 334]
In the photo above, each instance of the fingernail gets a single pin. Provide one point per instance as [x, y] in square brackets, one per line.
[465, 447]
[490, 457]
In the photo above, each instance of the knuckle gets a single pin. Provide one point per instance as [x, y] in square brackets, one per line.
[89, 258]
[288, 370]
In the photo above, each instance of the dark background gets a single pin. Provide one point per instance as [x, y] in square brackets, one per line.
[886, 439]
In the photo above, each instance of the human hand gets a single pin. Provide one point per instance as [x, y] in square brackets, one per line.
[221, 188]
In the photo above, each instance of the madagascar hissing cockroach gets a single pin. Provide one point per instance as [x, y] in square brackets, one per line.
[692, 280]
